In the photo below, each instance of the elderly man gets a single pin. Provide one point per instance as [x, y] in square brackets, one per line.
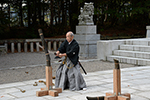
[68, 74]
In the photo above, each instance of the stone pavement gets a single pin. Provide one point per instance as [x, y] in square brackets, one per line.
[135, 81]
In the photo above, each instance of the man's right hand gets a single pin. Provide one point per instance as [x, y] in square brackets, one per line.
[57, 53]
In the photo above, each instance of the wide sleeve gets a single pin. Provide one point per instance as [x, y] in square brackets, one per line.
[62, 48]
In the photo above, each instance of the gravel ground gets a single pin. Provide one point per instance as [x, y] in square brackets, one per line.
[17, 67]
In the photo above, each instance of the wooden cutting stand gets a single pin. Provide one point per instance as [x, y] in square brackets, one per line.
[117, 85]
[49, 86]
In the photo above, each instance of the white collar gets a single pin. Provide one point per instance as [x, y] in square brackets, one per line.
[71, 41]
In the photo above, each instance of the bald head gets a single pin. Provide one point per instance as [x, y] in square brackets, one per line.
[69, 36]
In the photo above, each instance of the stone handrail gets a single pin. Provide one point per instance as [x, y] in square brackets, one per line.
[30, 45]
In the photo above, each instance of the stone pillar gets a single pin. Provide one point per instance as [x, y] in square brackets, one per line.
[37, 46]
[60, 43]
[19, 47]
[55, 45]
[31, 47]
[148, 32]
[87, 37]
[12, 47]
[25, 47]
[49, 45]
[6, 47]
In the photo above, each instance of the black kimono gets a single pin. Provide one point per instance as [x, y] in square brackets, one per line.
[68, 74]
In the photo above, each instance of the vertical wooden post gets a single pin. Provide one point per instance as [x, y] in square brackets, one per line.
[116, 95]
[117, 78]
[49, 86]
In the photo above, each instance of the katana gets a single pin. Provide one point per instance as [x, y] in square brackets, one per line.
[78, 61]
[59, 57]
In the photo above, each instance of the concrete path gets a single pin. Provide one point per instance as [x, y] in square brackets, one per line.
[135, 80]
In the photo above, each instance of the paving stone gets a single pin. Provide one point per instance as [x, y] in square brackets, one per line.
[136, 97]
[133, 80]
[12, 85]
[144, 94]
[31, 98]
[6, 97]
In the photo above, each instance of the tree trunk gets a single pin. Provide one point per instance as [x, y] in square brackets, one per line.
[29, 14]
[20, 13]
[39, 11]
[52, 15]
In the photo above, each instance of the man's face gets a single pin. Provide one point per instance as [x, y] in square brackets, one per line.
[68, 37]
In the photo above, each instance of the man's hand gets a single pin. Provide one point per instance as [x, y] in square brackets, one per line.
[62, 54]
[57, 53]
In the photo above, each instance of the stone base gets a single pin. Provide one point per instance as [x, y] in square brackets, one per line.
[86, 29]
[88, 50]
[87, 38]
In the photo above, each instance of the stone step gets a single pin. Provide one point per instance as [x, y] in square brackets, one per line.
[145, 42]
[134, 54]
[129, 60]
[141, 48]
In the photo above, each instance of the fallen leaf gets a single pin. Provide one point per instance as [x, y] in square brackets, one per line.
[23, 91]
[26, 72]
[40, 81]
[35, 84]
[2, 96]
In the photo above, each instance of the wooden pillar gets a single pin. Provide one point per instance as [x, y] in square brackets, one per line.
[31, 47]
[37, 46]
[19, 47]
[49, 84]
[12, 47]
[117, 79]
[25, 47]
[116, 95]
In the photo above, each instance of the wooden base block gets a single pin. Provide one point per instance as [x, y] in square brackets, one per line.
[41, 93]
[53, 93]
[126, 94]
[95, 98]
[110, 98]
[109, 94]
[59, 90]
[123, 98]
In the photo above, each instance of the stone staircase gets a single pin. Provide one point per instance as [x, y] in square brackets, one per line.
[133, 52]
